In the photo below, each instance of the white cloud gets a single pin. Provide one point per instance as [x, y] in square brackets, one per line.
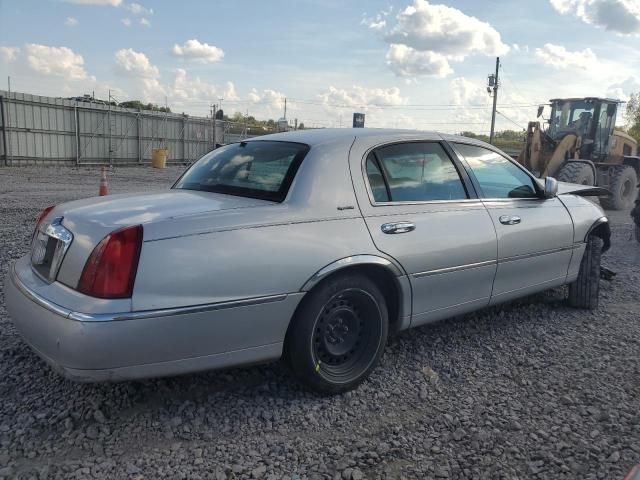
[426, 37]
[559, 57]
[145, 22]
[362, 97]
[185, 92]
[57, 61]
[71, 22]
[202, 52]
[135, 64]
[467, 93]
[620, 16]
[138, 9]
[407, 62]
[9, 54]
[623, 90]
[101, 3]
[126, 22]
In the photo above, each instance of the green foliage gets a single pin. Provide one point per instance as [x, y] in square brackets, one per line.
[138, 105]
[633, 116]
[507, 140]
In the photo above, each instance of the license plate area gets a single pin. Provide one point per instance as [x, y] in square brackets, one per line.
[48, 249]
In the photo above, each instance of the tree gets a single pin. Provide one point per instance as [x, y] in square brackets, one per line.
[301, 126]
[633, 116]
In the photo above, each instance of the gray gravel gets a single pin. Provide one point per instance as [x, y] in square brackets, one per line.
[532, 389]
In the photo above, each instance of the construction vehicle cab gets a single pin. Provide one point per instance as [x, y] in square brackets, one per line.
[582, 146]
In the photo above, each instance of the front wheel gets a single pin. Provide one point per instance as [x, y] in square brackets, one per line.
[585, 291]
[338, 334]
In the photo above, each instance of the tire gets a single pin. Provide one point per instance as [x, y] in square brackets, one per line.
[576, 172]
[585, 291]
[338, 334]
[623, 187]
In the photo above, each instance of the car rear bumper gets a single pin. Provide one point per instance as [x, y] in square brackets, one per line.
[152, 343]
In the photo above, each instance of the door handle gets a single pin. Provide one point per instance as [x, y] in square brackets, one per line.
[510, 219]
[398, 227]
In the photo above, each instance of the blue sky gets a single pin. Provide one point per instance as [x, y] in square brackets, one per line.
[411, 63]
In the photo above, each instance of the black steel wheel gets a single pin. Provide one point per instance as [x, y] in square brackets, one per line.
[338, 334]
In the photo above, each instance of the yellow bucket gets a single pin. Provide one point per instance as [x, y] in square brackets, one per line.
[159, 157]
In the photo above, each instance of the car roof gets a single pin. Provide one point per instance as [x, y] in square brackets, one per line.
[314, 137]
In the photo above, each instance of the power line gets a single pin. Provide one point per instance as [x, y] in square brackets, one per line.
[512, 121]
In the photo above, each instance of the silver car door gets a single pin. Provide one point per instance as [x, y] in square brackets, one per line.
[535, 235]
[421, 209]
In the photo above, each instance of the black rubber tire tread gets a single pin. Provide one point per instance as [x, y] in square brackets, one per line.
[621, 174]
[576, 172]
[297, 351]
[585, 291]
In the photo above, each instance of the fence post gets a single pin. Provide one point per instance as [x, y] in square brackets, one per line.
[77, 124]
[4, 131]
[184, 138]
[139, 127]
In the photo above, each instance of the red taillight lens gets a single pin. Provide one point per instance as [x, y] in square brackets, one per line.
[111, 269]
[42, 215]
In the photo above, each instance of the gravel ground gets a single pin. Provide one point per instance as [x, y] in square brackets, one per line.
[532, 389]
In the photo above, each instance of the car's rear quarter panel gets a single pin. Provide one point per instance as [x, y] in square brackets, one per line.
[241, 263]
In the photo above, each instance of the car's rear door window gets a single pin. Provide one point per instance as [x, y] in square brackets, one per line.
[413, 172]
[258, 169]
[498, 177]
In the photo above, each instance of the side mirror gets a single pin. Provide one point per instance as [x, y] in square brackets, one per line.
[540, 110]
[550, 187]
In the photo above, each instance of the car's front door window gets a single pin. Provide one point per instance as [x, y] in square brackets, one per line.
[498, 177]
[414, 172]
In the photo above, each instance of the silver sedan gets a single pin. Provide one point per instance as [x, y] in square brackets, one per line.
[311, 245]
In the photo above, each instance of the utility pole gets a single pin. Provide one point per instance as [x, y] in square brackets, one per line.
[493, 84]
[285, 108]
[213, 116]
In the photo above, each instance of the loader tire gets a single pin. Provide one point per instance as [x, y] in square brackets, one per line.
[623, 187]
[576, 172]
[584, 292]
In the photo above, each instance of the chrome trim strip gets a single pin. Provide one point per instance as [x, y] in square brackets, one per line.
[596, 224]
[350, 261]
[457, 268]
[167, 312]
[469, 266]
[426, 202]
[538, 254]
[120, 316]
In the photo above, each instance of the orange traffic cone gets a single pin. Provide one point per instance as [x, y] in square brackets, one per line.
[104, 186]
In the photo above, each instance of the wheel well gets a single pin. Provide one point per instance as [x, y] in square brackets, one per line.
[385, 280]
[602, 230]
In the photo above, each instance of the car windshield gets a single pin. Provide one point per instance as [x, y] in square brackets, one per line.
[259, 169]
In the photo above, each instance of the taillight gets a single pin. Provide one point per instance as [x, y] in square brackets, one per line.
[111, 269]
[41, 216]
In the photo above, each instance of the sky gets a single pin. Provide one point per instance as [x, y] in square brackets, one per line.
[404, 63]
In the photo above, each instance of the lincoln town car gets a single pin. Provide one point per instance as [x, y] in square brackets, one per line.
[312, 246]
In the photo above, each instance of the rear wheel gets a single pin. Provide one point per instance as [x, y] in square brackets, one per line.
[623, 187]
[576, 172]
[585, 291]
[338, 334]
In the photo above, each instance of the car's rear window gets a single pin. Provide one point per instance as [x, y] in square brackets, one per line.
[258, 169]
